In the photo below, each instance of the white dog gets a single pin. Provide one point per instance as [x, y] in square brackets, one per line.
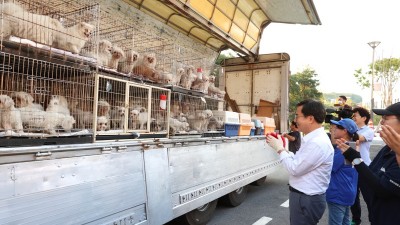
[116, 55]
[175, 126]
[104, 53]
[199, 121]
[214, 91]
[139, 117]
[24, 100]
[102, 123]
[117, 117]
[58, 104]
[165, 78]
[188, 78]
[73, 38]
[126, 66]
[21, 23]
[103, 108]
[10, 116]
[177, 78]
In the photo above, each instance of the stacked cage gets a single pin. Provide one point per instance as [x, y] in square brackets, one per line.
[41, 99]
[124, 107]
[189, 114]
[50, 30]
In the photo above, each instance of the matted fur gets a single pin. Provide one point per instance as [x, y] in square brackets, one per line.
[73, 38]
[10, 116]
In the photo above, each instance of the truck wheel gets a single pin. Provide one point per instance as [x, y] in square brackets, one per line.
[201, 215]
[260, 182]
[236, 197]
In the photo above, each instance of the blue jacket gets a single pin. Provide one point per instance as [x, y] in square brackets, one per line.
[343, 185]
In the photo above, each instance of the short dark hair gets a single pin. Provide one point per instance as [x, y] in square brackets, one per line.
[313, 108]
[294, 123]
[343, 97]
[363, 112]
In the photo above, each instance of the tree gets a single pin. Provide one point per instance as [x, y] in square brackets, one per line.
[303, 85]
[387, 72]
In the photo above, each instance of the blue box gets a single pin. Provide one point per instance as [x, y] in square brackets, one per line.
[231, 130]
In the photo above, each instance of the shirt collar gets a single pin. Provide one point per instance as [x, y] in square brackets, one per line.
[313, 134]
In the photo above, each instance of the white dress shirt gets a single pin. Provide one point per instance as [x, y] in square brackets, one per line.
[310, 168]
[368, 134]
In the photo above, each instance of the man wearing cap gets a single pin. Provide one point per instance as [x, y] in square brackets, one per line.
[365, 136]
[342, 188]
[380, 182]
[310, 168]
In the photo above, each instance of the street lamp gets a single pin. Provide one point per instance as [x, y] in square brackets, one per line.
[373, 45]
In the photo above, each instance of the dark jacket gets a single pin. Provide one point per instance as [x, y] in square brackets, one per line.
[380, 186]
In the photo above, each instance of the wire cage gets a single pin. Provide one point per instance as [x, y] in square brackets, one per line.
[189, 114]
[53, 29]
[40, 98]
[124, 107]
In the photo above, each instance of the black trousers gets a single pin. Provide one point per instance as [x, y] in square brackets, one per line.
[356, 208]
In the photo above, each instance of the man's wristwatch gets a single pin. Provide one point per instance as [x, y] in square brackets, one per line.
[357, 161]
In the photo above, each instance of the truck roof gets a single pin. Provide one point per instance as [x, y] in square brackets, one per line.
[222, 24]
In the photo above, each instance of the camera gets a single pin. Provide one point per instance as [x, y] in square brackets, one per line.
[343, 112]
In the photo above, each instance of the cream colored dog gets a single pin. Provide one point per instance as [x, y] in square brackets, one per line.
[10, 116]
[73, 38]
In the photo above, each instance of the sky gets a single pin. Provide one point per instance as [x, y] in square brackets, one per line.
[339, 46]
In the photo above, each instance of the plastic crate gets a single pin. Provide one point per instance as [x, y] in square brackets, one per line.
[244, 118]
[244, 130]
[226, 116]
[231, 130]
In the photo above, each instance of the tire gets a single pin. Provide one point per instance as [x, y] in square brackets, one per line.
[236, 197]
[260, 182]
[201, 215]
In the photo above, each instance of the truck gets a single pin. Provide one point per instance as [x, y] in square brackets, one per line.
[138, 175]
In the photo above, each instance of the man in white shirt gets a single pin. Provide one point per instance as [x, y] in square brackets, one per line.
[361, 117]
[310, 169]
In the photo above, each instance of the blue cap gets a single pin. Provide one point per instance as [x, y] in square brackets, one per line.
[348, 124]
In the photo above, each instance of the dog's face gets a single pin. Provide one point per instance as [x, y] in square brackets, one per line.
[132, 56]
[189, 70]
[103, 108]
[6, 102]
[105, 46]
[120, 110]
[86, 30]
[22, 99]
[181, 71]
[208, 113]
[212, 78]
[58, 100]
[149, 60]
[102, 123]
[134, 114]
[117, 53]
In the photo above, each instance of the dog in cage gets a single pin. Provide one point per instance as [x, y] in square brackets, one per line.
[176, 126]
[21, 23]
[146, 67]
[103, 108]
[117, 54]
[10, 116]
[55, 119]
[201, 84]
[117, 117]
[25, 100]
[104, 53]
[73, 38]
[58, 104]
[214, 91]
[102, 123]
[215, 124]
[188, 77]
[177, 78]
[131, 59]
[198, 120]
[164, 77]
[139, 118]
